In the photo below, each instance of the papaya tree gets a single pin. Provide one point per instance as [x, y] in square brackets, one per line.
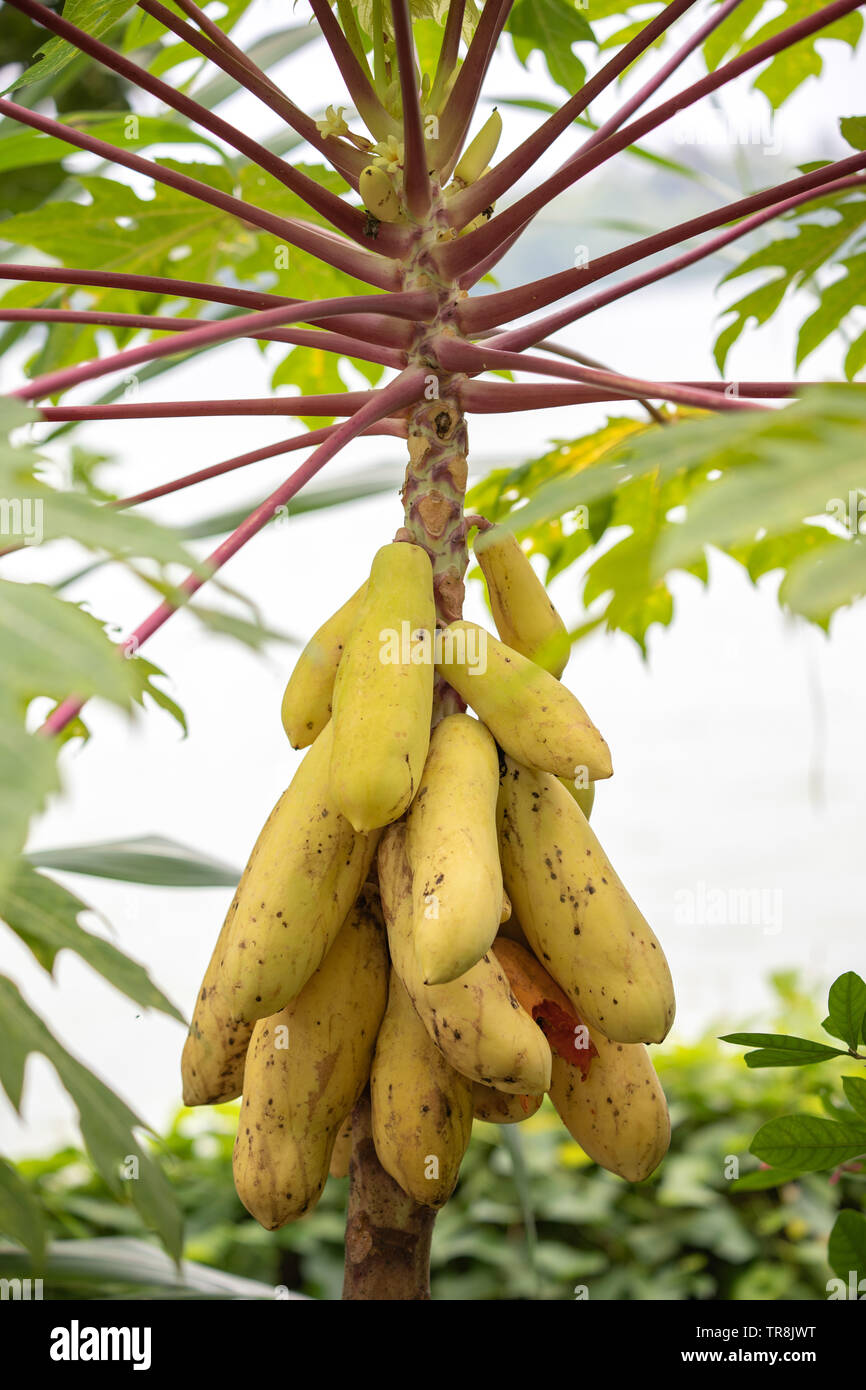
[369, 236]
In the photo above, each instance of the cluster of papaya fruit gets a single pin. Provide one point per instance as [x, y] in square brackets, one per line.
[427, 911]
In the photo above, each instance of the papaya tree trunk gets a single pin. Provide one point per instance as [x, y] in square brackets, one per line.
[387, 1234]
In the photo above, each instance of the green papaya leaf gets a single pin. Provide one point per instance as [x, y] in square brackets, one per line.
[96, 17]
[150, 859]
[100, 1266]
[551, 27]
[853, 130]
[20, 1215]
[40, 910]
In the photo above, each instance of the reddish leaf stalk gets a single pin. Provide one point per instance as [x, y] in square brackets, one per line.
[463, 97]
[456, 257]
[335, 404]
[474, 359]
[521, 338]
[376, 328]
[218, 38]
[478, 272]
[486, 311]
[344, 157]
[142, 284]
[658, 80]
[416, 180]
[492, 398]
[490, 187]
[374, 270]
[370, 108]
[211, 335]
[572, 355]
[449, 52]
[324, 341]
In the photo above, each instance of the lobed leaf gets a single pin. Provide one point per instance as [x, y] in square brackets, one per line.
[95, 17]
[551, 27]
[781, 77]
[823, 229]
[754, 485]
[42, 912]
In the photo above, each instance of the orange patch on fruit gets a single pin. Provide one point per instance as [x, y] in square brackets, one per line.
[566, 1034]
[540, 995]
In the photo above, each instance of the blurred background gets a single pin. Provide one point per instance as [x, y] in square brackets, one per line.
[739, 774]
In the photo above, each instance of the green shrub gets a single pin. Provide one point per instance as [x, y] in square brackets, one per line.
[553, 1224]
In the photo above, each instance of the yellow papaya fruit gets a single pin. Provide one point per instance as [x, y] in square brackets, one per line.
[212, 1063]
[306, 1067]
[474, 1020]
[576, 913]
[609, 1099]
[500, 1108]
[306, 706]
[617, 1113]
[524, 616]
[421, 1107]
[529, 713]
[304, 873]
[452, 847]
[379, 195]
[383, 693]
[547, 1005]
